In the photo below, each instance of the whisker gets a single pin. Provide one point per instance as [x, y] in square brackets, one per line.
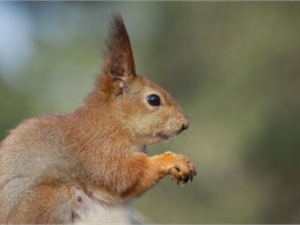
[194, 138]
[162, 182]
[193, 119]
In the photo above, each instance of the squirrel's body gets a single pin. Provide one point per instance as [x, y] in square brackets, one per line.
[62, 168]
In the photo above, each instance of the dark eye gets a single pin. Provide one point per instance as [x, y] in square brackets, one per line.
[153, 100]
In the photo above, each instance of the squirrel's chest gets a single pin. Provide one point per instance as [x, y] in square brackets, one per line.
[96, 207]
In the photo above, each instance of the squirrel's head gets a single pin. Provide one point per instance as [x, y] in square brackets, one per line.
[146, 110]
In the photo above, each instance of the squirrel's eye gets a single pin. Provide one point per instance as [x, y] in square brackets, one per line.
[153, 100]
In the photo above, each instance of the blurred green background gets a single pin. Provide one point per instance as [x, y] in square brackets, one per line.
[234, 67]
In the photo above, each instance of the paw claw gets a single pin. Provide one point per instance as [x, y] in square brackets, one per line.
[181, 169]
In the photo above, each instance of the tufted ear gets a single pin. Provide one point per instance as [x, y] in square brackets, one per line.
[119, 62]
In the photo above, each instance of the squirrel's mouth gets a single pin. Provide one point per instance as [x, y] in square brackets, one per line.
[163, 136]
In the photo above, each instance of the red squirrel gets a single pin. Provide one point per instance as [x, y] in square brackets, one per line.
[60, 168]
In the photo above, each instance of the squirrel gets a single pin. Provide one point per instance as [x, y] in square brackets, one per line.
[60, 168]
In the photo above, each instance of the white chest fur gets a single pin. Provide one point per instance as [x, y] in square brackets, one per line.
[96, 209]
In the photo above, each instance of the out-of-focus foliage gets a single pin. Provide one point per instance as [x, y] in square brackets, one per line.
[13, 108]
[233, 66]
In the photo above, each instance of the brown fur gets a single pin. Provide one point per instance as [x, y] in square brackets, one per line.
[56, 168]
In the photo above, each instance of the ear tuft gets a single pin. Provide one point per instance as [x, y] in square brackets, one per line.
[119, 62]
[118, 66]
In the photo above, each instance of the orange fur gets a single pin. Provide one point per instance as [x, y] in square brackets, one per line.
[62, 168]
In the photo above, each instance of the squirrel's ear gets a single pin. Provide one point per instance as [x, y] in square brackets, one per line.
[119, 62]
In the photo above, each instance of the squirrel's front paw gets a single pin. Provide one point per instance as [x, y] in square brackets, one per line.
[182, 169]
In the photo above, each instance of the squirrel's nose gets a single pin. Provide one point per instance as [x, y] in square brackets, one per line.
[185, 126]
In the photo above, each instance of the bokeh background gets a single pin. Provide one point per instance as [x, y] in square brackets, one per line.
[234, 67]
